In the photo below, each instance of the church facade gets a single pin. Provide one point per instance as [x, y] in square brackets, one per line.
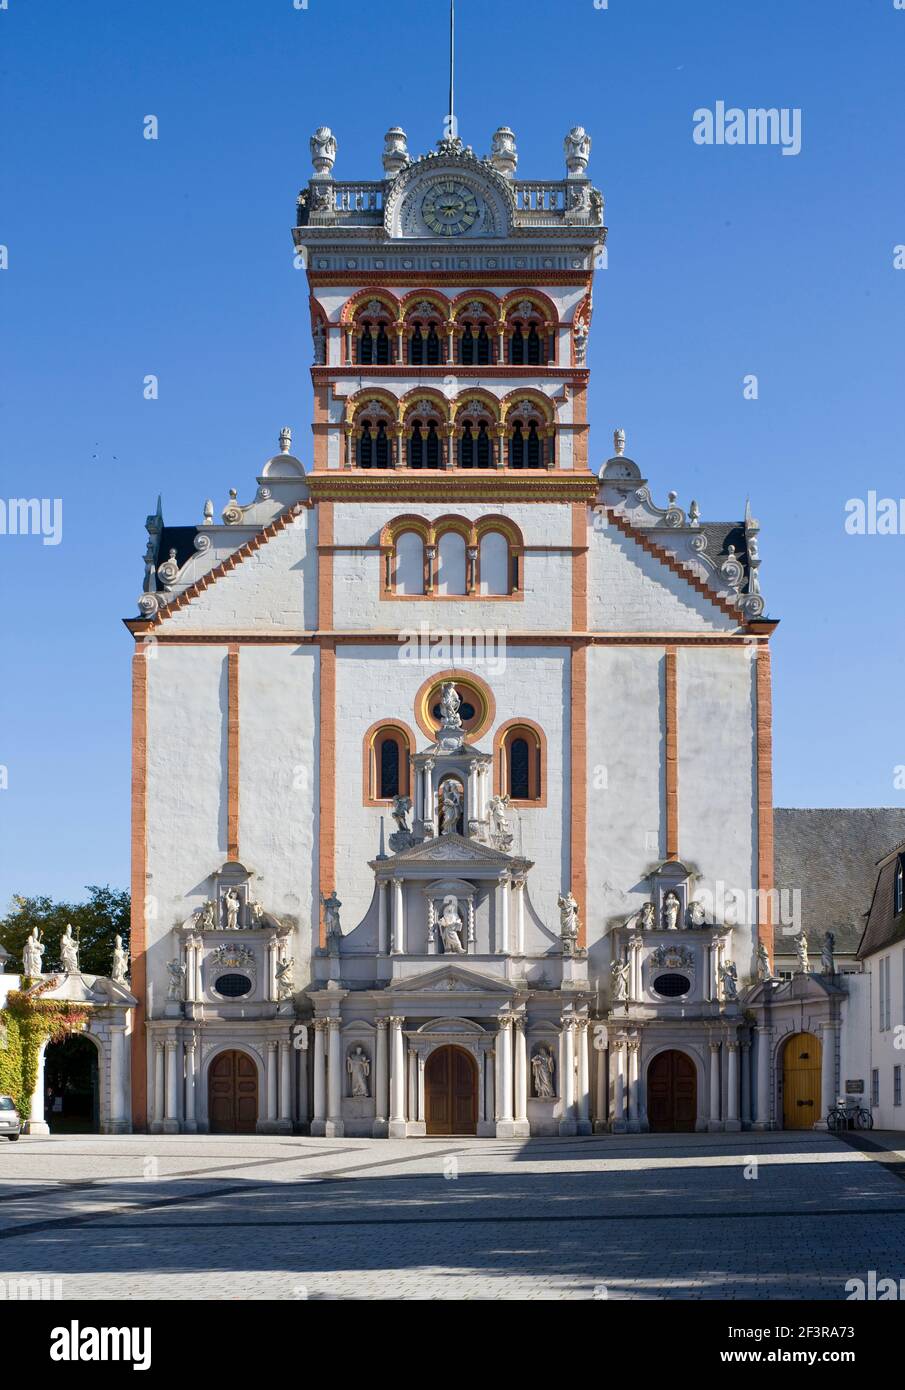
[451, 791]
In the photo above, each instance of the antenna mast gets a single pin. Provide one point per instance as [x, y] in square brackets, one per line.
[451, 132]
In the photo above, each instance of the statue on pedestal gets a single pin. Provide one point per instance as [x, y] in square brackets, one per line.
[729, 979]
[120, 966]
[764, 968]
[31, 954]
[620, 971]
[450, 925]
[359, 1069]
[828, 955]
[568, 922]
[801, 948]
[176, 971]
[231, 905]
[671, 907]
[69, 951]
[542, 1074]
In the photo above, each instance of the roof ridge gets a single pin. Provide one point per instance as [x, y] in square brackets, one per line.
[667, 558]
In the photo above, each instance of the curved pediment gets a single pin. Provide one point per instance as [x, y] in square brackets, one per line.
[453, 849]
[450, 197]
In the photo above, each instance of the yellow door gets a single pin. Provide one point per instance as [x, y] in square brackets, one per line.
[801, 1082]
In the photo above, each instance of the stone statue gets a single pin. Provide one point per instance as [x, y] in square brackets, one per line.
[401, 807]
[331, 914]
[32, 952]
[581, 344]
[697, 917]
[120, 966]
[319, 339]
[828, 955]
[619, 971]
[568, 922]
[359, 1069]
[176, 971]
[498, 806]
[577, 149]
[542, 1073]
[729, 978]
[801, 947]
[452, 807]
[69, 951]
[764, 968]
[231, 904]
[647, 919]
[450, 925]
[284, 981]
[449, 707]
[323, 152]
[671, 907]
[207, 916]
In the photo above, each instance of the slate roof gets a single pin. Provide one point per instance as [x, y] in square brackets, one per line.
[178, 538]
[831, 856]
[884, 928]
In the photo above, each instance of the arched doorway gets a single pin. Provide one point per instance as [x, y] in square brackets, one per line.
[451, 1092]
[672, 1093]
[232, 1094]
[72, 1086]
[801, 1061]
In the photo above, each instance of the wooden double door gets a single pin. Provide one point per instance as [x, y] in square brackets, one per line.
[232, 1094]
[451, 1092]
[801, 1061]
[672, 1093]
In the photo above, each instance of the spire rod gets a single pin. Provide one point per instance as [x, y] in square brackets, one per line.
[452, 69]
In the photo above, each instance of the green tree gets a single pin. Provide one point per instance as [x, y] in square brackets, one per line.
[94, 923]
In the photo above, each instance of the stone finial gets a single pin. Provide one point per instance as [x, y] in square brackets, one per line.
[285, 439]
[619, 442]
[395, 151]
[208, 512]
[503, 152]
[323, 152]
[577, 147]
[694, 513]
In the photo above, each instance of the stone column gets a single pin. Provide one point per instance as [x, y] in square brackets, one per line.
[396, 1126]
[502, 945]
[382, 916]
[471, 810]
[584, 1079]
[746, 1085]
[334, 1079]
[505, 1122]
[300, 1042]
[191, 952]
[487, 1125]
[421, 1062]
[634, 1099]
[36, 1123]
[271, 1083]
[319, 1118]
[191, 1124]
[714, 972]
[286, 1083]
[521, 1078]
[518, 885]
[732, 1115]
[764, 1118]
[428, 809]
[567, 1124]
[600, 1106]
[635, 972]
[159, 1086]
[199, 985]
[827, 1074]
[398, 918]
[619, 1122]
[714, 1122]
[171, 1107]
[381, 1079]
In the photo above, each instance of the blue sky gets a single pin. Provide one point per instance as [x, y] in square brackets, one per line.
[172, 257]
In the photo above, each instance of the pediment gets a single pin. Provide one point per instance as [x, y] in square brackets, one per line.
[450, 980]
[450, 849]
[75, 988]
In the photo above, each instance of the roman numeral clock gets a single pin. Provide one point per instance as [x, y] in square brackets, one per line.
[449, 208]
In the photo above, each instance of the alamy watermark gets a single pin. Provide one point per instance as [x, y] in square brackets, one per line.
[875, 516]
[756, 125]
[32, 516]
[460, 646]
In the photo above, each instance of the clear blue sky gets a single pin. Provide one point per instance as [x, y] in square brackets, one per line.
[129, 257]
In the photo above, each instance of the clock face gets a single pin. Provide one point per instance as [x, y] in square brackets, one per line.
[449, 208]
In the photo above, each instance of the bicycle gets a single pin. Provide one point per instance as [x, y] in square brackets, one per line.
[849, 1117]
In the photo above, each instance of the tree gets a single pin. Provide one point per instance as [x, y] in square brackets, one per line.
[94, 923]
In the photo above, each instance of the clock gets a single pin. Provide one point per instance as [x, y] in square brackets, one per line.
[449, 208]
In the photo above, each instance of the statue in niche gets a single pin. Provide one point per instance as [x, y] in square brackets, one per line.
[452, 807]
[231, 905]
[764, 968]
[542, 1073]
[697, 917]
[619, 971]
[568, 922]
[176, 972]
[647, 918]
[671, 907]
[207, 916]
[331, 915]
[498, 806]
[449, 707]
[401, 807]
[801, 949]
[828, 955]
[31, 954]
[69, 951]
[284, 981]
[450, 925]
[359, 1069]
[729, 978]
[120, 966]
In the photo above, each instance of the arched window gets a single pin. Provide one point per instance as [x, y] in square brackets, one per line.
[374, 448]
[517, 347]
[432, 347]
[416, 347]
[387, 750]
[900, 887]
[517, 446]
[451, 563]
[366, 346]
[533, 346]
[494, 562]
[520, 762]
[382, 446]
[409, 563]
[467, 447]
[534, 446]
[365, 446]
[527, 446]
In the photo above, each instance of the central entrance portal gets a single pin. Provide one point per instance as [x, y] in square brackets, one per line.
[451, 1086]
[672, 1093]
[801, 1062]
[232, 1094]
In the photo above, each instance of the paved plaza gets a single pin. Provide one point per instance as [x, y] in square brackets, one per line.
[779, 1215]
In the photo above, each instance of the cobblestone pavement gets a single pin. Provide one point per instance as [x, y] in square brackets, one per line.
[784, 1215]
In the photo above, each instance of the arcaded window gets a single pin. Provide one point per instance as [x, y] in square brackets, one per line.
[451, 568]
[495, 568]
[387, 751]
[409, 563]
[520, 762]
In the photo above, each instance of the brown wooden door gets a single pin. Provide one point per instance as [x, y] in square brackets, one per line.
[672, 1093]
[232, 1093]
[801, 1060]
[451, 1092]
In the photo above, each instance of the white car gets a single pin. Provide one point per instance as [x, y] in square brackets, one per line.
[10, 1124]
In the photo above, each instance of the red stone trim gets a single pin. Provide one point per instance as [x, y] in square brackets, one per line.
[764, 725]
[671, 739]
[636, 534]
[139, 886]
[368, 760]
[232, 753]
[327, 778]
[500, 780]
[578, 824]
[468, 678]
